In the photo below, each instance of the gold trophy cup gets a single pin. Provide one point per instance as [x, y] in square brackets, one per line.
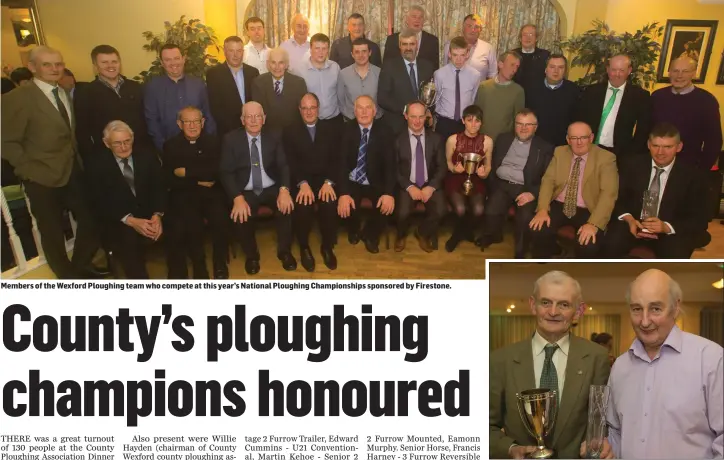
[538, 410]
[470, 162]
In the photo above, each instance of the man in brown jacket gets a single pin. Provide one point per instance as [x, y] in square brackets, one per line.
[38, 140]
[579, 189]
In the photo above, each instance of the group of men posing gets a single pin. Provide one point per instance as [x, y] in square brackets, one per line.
[307, 128]
[666, 391]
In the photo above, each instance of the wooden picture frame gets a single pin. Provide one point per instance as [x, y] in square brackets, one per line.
[683, 37]
[720, 74]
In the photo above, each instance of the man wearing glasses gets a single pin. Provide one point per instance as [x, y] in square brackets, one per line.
[519, 161]
[533, 59]
[694, 111]
[579, 189]
[191, 165]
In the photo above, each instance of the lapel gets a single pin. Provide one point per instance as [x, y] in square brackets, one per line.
[533, 158]
[575, 376]
[672, 186]
[566, 164]
[523, 372]
[406, 72]
[117, 175]
[623, 108]
[429, 153]
[590, 165]
[229, 80]
[265, 151]
[48, 108]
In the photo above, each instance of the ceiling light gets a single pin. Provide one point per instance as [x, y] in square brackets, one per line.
[512, 306]
[718, 284]
[27, 20]
[508, 310]
[590, 308]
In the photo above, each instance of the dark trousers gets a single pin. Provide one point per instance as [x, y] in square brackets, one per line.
[129, 247]
[336, 123]
[446, 127]
[185, 221]
[247, 231]
[435, 209]
[47, 205]
[326, 214]
[619, 242]
[544, 240]
[376, 222]
[496, 210]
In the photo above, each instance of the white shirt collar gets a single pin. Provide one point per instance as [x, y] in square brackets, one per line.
[46, 88]
[622, 87]
[369, 128]
[667, 168]
[407, 63]
[411, 133]
[539, 344]
[523, 50]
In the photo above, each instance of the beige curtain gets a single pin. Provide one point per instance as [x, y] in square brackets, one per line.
[277, 17]
[375, 12]
[712, 324]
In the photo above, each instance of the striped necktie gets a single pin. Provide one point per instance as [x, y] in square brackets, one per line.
[360, 171]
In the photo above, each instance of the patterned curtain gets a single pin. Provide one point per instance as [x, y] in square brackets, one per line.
[277, 17]
[712, 324]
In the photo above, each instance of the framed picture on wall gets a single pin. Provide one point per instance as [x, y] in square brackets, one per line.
[687, 38]
[720, 74]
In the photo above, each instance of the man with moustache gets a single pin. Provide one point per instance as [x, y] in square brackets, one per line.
[532, 59]
[256, 51]
[279, 91]
[297, 46]
[166, 94]
[680, 217]
[667, 390]
[427, 45]
[342, 48]
[554, 359]
[111, 96]
[229, 85]
[500, 98]
[360, 79]
[481, 55]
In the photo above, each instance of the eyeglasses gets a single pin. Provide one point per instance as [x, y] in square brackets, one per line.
[529, 34]
[525, 125]
[253, 117]
[579, 138]
[192, 122]
[126, 143]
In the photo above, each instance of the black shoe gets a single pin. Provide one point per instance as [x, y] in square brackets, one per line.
[452, 243]
[353, 237]
[307, 259]
[221, 273]
[433, 243]
[94, 273]
[371, 246]
[330, 260]
[288, 261]
[252, 266]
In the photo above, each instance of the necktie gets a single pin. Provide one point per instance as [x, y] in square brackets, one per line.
[655, 187]
[604, 115]
[549, 376]
[456, 116]
[571, 198]
[413, 79]
[312, 131]
[128, 175]
[61, 107]
[360, 171]
[419, 162]
[277, 88]
[256, 184]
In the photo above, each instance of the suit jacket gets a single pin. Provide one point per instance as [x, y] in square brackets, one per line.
[111, 193]
[380, 158]
[35, 139]
[96, 105]
[634, 111]
[434, 158]
[312, 160]
[235, 167]
[341, 52]
[281, 111]
[224, 96]
[429, 49]
[539, 158]
[600, 182]
[511, 371]
[681, 205]
[394, 89]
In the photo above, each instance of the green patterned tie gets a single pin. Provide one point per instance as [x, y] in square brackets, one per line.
[604, 115]
[549, 377]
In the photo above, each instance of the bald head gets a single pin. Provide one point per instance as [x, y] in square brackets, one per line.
[655, 280]
[300, 28]
[682, 72]
[277, 62]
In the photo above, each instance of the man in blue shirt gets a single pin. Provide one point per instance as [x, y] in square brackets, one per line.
[167, 94]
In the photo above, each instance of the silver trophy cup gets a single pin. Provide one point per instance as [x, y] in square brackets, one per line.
[428, 94]
[596, 431]
[538, 410]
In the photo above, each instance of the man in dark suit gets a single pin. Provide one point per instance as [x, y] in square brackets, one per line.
[111, 96]
[677, 217]
[229, 85]
[400, 81]
[279, 91]
[519, 162]
[311, 149]
[341, 52]
[532, 59]
[553, 359]
[612, 109]
[421, 168]
[367, 170]
[130, 193]
[427, 47]
[254, 172]
[38, 139]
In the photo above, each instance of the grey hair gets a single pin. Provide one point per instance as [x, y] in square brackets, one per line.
[114, 127]
[38, 50]
[675, 293]
[503, 56]
[417, 8]
[280, 50]
[558, 277]
[189, 107]
[251, 103]
[408, 33]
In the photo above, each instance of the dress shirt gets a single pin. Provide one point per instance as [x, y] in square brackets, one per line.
[323, 83]
[553, 87]
[606, 137]
[444, 79]
[482, 57]
[119, 162]
[560, 359]
[417, 71]
[256, 58]
[413, 146]
[671, 406]
[350, 85]
[663, 178]
[281, 83]
[266, 181]
[686, 90]
[238, 76]
[47, 89]
[579, 199]
[361, 133]
[297, 53]
[511, 169]
[116, 89]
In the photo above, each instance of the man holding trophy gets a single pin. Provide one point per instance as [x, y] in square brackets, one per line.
[547, 378]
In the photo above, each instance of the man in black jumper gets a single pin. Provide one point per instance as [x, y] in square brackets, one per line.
[532, 59]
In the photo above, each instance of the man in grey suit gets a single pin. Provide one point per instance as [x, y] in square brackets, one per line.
[38, 139]
[278, 91]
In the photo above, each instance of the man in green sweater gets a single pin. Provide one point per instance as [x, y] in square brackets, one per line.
[500, 98]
